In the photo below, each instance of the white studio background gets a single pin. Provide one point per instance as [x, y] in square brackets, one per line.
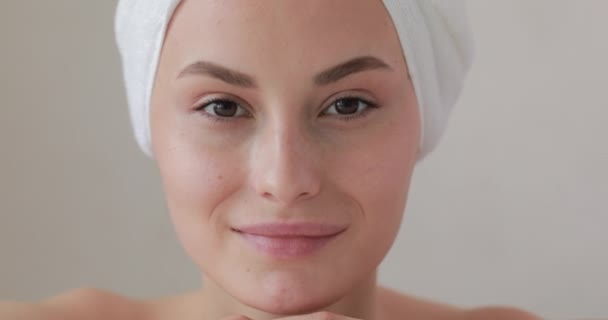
[511, 209]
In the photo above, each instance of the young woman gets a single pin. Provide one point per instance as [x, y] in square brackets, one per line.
[286, 133]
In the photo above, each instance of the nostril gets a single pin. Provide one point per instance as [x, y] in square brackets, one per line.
[285, 197]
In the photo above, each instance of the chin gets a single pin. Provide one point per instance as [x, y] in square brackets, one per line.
[284, 294]
[289, 304]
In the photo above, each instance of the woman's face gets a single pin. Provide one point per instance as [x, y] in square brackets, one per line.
[286, 133]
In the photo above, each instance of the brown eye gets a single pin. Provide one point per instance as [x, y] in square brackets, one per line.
[224, 109]
[348, 106]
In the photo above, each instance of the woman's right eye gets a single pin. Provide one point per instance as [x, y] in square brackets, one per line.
[223, 109]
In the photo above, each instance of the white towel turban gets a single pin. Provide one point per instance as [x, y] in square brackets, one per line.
[434, 34]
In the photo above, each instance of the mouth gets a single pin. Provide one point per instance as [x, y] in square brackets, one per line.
[287, 241]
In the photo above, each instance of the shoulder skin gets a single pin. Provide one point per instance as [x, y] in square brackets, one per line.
[75, 304]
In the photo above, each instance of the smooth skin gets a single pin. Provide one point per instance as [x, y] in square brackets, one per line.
[279, 111]
[93, 304]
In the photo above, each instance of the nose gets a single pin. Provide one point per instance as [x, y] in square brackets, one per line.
[285, 165]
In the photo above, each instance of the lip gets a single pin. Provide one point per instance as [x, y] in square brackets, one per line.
[289, 240]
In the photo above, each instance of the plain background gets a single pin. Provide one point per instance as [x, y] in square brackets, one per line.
[511, 209]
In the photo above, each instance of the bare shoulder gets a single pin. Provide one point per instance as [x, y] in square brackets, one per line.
[400, 306]
[75, 304]
[498, 313]
[396, 305]
[98, 304]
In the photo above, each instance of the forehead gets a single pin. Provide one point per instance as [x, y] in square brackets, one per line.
[281, 33]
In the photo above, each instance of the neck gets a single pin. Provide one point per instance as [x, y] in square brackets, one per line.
[359, 303]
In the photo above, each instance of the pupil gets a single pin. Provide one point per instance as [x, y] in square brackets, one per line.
[225, 108]
[347, 106]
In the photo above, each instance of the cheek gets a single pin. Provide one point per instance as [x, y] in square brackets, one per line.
[195, 175]
[193, 181]
[378, 179]
[196, 180]
[384, 191]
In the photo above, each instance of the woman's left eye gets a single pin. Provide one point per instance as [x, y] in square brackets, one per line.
[349, 107]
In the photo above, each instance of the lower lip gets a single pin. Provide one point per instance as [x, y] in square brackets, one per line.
[287, 247]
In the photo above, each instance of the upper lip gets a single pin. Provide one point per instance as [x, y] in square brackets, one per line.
[292, 229]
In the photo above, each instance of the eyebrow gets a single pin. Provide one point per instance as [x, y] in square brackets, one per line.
[349, 67]
[217, 71]
[330, 75]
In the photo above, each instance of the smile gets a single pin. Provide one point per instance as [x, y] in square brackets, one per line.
[287, 241]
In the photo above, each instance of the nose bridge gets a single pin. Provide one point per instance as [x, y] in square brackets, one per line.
[284, 167]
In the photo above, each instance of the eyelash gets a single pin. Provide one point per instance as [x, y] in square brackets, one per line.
[347, 117]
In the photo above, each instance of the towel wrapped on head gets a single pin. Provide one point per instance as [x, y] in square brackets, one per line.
[434, 34]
